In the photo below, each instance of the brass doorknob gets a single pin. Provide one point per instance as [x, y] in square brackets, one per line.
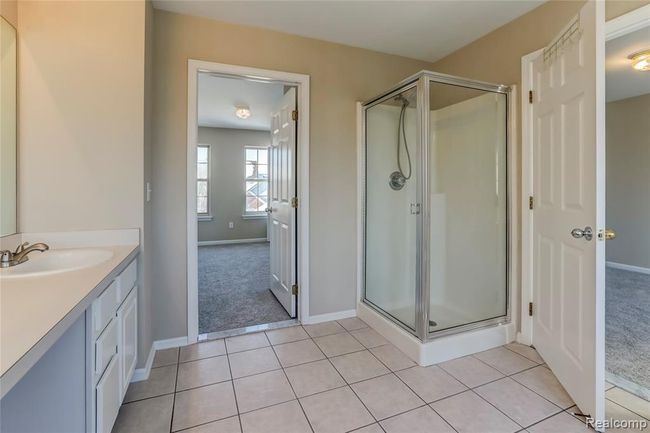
[606, 235]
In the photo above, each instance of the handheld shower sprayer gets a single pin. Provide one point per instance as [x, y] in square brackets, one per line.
[397, 179]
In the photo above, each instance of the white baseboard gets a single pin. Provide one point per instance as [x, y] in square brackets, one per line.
[319, 318]
[631, 268]
[231, 241]
[143, 373]
[169, 343]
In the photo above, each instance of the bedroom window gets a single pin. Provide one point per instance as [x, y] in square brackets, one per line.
[257, 180]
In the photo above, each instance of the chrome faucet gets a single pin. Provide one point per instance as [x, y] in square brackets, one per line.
[8, 258]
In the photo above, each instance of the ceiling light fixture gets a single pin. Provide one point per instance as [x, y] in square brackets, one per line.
[641, 60]
[243, 112]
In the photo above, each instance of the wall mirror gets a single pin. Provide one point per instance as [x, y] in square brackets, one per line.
[7, 128]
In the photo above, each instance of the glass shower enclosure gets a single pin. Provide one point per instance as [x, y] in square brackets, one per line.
[436, 204]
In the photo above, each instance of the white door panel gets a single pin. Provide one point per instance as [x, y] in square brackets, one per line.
[566, 319]
[282, 215]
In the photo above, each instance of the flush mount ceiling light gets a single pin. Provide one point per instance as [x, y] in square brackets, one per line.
[641, 60]
[243, 112]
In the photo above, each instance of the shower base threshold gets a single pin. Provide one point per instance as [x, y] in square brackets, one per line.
[440, 349]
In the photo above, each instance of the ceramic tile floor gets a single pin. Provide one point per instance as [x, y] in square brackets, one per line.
[342, 377]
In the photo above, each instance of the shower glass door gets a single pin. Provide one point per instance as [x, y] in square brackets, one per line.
[391, 210]
[467, 202]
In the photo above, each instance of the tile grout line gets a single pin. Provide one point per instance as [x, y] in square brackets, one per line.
[148, 398]
[511, 378]
[348, 385]
[505, 376]
[413, 391]
[496, 380]
[234, 392]
[372, 378]
[549, 417]
[505, 346]
[626, 408]
[293, 390]
[530, 389]
[171, 420]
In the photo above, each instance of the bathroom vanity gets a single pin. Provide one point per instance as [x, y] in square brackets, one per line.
[68, 335]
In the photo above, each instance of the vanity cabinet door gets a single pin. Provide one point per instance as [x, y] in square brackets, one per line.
[128, 319]
[108, 397]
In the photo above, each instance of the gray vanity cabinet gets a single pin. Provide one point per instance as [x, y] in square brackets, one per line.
[115, 339]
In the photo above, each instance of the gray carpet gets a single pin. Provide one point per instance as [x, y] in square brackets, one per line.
[234, 287]
[628, 326]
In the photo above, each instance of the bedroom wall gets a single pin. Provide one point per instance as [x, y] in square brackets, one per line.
[628, 180]
[226, 184]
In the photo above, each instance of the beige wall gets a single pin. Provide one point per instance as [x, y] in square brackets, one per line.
[145, 332]
[226, 189]
[340, 76]
[628, 180]
[81, 118]
[81, 115]
[9, 11]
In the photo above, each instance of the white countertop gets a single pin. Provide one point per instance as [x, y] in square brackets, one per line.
[36, 311]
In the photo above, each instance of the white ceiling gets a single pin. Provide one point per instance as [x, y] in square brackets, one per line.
[622, 80]
[426, 30]
[219, 97]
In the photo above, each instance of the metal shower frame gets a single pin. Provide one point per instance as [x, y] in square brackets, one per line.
[421, 81]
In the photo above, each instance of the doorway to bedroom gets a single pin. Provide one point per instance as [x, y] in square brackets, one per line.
[245, 205]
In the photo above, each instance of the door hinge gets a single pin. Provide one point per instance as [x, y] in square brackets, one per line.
[530, 308]
[531, 202]
[294, 202]
[530, 96]
[294, 115]
[294, 289]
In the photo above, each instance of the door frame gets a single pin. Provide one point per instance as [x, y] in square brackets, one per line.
[614, 28]
[301, 82]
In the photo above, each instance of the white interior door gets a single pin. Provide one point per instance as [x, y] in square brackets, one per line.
[568, 180]
[282, 190]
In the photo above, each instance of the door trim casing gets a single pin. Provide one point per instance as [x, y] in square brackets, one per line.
[301, 82]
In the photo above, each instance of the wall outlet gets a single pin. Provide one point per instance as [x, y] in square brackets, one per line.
[231, 225]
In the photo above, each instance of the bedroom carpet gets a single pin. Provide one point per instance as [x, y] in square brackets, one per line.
[627, 330]
[234, 287]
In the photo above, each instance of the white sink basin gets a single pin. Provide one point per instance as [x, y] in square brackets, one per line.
[57, 261]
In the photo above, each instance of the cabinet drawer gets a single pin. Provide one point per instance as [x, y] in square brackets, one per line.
[126, 280]
[108, 397]
[104, 308]
[106, 346]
